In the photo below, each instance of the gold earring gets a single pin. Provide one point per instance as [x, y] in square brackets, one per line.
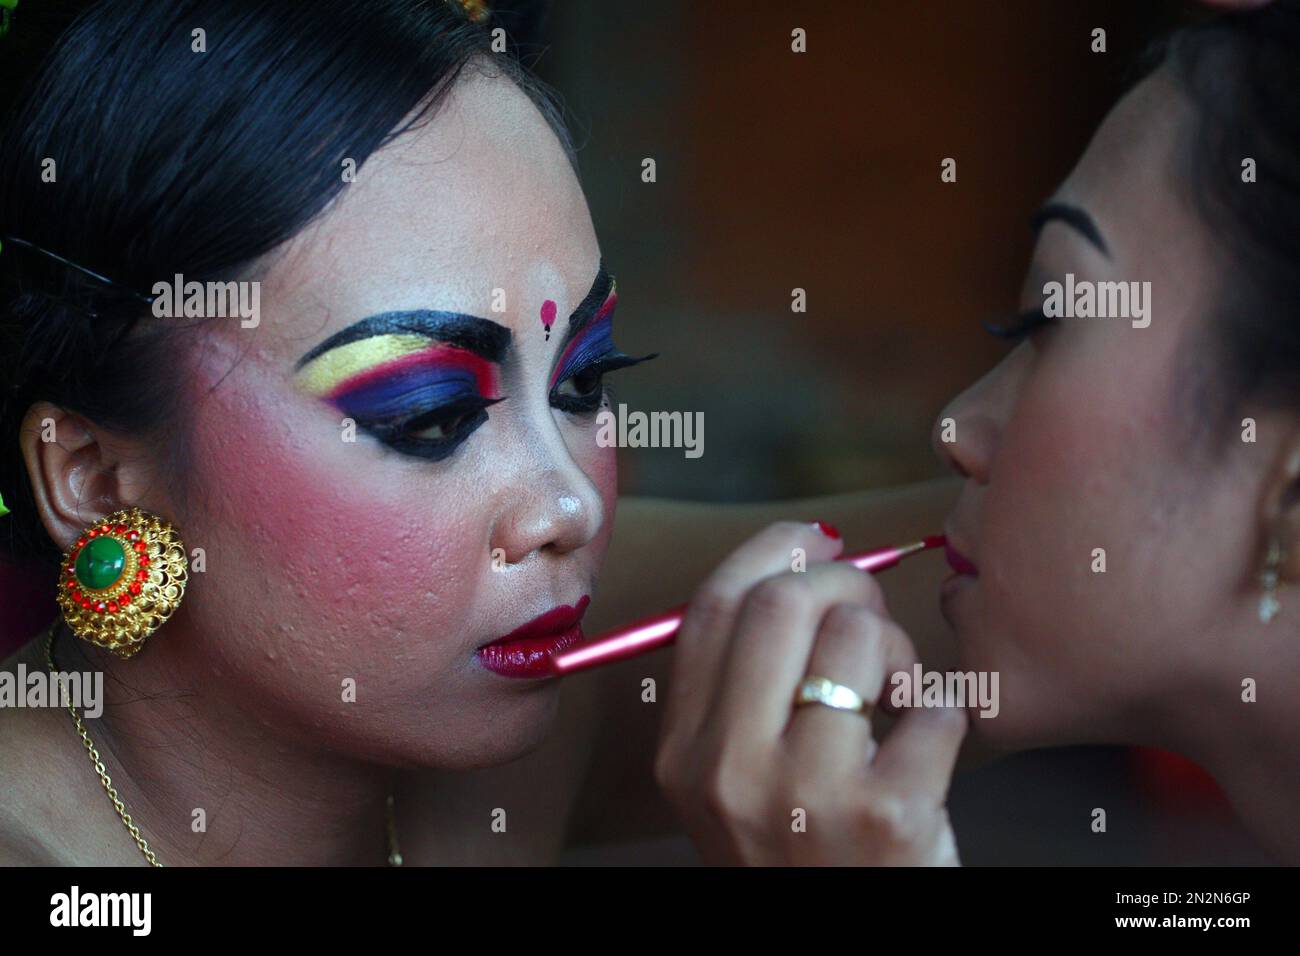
[122, 579]
[1268, 602]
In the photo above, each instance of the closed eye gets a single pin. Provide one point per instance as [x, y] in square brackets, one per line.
[578, 384]
[581, 390]
[1018, 326]
[424, 403]
[433, 434]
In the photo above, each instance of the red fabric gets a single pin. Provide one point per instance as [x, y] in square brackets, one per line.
[1177, 783]
[26, 604]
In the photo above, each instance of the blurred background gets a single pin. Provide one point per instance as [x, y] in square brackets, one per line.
[820, 171]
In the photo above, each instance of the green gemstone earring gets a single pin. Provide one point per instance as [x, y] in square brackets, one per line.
[6, 7]
[122, 579]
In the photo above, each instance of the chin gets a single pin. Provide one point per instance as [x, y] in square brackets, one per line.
[1004, 732]
[1045, 699]
[1019, 723]
[503, 729]
[1034, 709]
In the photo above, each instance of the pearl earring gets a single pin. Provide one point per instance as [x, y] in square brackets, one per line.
[1268, 602]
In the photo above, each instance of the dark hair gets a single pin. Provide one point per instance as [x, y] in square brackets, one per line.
[169, 160]
[1242, 73]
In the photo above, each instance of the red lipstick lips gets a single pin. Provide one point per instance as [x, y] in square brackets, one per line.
[527, 650]
[959, 562]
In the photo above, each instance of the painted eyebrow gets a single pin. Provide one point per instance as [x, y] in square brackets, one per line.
[590, 304]
[1072, 216]
[482, 337]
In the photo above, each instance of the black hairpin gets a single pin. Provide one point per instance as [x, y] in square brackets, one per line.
[146, 299]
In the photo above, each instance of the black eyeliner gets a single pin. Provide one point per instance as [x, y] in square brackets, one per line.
[395, 434]
[484, 338]
[602, 366]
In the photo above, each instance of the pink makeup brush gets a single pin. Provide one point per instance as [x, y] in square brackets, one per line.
[661, 629]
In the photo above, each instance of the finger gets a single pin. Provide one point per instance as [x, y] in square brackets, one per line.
[902, 657]
[919, 754]
[774, 635]
[854, 647]
[702, 641]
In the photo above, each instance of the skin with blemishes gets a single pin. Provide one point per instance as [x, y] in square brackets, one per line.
[335, 564]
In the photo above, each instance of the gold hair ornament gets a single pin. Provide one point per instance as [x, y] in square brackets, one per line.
[476, 11]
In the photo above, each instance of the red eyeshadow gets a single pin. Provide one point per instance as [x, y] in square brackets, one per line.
[433, 358]
[601, 313]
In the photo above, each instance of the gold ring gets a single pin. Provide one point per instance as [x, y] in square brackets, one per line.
[827, 693]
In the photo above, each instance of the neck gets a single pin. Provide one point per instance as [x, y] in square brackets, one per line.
[208, 782]
[1251, 749]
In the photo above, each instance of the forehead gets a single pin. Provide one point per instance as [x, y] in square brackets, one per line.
[1125, 177]
[480, 198]
[1134, 182]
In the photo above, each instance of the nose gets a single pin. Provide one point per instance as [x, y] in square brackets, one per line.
[555, 508]
[969, 429]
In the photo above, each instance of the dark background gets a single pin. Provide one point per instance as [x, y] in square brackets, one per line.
[820, 170]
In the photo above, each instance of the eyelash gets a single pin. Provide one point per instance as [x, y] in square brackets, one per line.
[1023, 325]
[588, 402]
[467, 413]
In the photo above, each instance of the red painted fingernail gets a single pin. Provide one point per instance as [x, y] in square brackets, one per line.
[827, 529]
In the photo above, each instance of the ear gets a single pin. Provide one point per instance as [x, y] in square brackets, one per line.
[1280, 517]
[78, 472]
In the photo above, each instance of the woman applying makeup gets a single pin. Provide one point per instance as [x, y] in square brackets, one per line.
[1126, 542]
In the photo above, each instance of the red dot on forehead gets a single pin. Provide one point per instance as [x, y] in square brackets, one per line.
[548, 313]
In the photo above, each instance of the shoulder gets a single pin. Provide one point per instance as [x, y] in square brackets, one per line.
[33, 766]
[27, 822]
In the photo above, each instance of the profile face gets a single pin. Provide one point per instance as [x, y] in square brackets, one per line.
[412, 311]
[1093, 436]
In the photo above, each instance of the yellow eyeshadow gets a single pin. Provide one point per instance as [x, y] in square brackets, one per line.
[323, 374]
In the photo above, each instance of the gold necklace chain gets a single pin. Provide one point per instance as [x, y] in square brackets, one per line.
[394, 850]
